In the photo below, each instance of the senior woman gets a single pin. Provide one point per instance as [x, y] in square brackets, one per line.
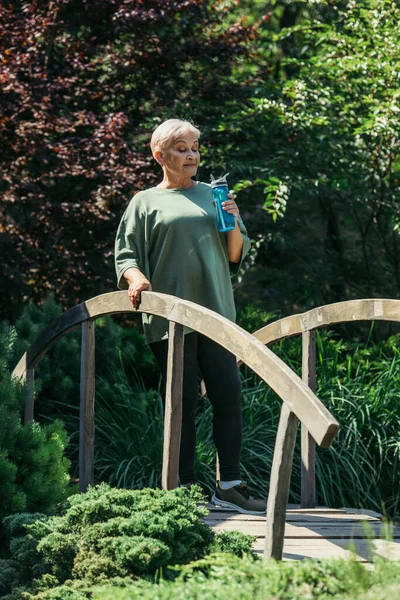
[168, 242]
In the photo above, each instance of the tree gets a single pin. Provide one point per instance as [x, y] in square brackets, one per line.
[82, 86]
[330, 134]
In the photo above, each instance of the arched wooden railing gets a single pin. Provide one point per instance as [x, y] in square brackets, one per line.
[306, 324]
[299, 401]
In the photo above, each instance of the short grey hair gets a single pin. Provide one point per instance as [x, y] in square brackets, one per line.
[169, 131]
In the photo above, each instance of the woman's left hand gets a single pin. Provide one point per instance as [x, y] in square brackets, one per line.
[230, 206]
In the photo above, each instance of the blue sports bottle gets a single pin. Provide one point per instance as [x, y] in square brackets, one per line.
[220, 191]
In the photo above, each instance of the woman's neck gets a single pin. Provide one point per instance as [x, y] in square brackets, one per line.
[170, 183]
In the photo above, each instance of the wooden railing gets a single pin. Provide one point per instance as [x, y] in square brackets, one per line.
[299, 401]
[306, 325]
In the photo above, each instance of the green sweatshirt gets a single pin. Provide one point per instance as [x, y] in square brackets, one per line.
[171, 236]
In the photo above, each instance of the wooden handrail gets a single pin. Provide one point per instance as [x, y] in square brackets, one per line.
[300, 403]
[379, 309]
[373, 309]
[307, 407]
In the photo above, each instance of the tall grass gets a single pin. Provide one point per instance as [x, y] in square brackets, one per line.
[128, 431]
[359, 385]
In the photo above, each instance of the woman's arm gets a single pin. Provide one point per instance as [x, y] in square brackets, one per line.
[137, 283]
[234, 244]
[234, 238]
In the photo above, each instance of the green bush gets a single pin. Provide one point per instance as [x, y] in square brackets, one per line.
[234, 542]
[218, 577]
[108, 534]
[221, 576]
[122, 544]
[33, 469]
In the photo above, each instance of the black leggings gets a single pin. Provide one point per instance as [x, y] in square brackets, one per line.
[219, 370]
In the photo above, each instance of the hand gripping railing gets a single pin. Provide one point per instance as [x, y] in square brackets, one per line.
[299, 401]
[306, 324]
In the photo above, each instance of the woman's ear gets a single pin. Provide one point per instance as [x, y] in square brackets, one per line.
[158, 155]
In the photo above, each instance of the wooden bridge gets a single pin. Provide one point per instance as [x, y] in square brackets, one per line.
[319, 532]
[299, 404]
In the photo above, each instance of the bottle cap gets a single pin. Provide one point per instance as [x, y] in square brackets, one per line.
[220, 181]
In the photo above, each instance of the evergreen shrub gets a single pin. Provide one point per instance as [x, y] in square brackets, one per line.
[108, 534]
[33, 469]
[221, 576]
[217, 577]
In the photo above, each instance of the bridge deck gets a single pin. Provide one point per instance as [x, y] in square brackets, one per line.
[319, 532]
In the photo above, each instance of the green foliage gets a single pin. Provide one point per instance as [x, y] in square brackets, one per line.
[251, 318]
[321, 136]
[358, 384]
[234, 542]
[9, 575]
[57, 375]
[218, 576]
[129, 433]
[22, 547]
[110, 543]
[33, 469]
[109, 533]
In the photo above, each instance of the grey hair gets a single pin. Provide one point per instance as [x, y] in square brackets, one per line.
[169, 131]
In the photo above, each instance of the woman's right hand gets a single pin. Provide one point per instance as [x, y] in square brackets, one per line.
[136, 288]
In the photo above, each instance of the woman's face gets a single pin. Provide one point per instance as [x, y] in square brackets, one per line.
[182, 156]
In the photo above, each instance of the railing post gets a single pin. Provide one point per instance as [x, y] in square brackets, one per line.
[278, 495]
[308, 493]
[30, 395]
[86, 433]
[173, 407]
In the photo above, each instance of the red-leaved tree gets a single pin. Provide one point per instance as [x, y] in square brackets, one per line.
[82, 85]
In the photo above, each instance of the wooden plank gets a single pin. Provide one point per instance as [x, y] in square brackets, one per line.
[292, 508]
[173, 407]
[362, 511]
[365, 550]
[290, 518]
[279, 484]
[30, 395]
[308, 492]
[295, 512]
[86, 424]
[321, 509]
[334, 530]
